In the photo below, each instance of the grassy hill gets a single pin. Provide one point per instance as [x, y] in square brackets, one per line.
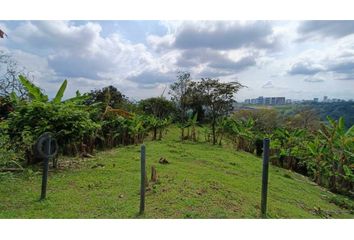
[201, 181]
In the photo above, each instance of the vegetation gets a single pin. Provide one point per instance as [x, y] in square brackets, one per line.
[9, 72]
[200, 181]
[105, 119]
[322, 151]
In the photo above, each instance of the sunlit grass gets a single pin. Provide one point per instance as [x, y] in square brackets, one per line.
[200, 181]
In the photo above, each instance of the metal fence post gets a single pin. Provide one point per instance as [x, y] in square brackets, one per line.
[142, 180]
[45, 170]
[265, 177]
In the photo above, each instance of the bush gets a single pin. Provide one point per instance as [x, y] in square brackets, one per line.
[9, 156]
[70, 125]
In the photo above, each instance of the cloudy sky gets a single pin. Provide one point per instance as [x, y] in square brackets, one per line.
[295, 59]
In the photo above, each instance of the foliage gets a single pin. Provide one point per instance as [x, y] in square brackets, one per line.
[192, 123]
[265, 120]
[179, 92]
[6, 106]
[241, 132]
[9, 156]
[108, 96]
[68, 120]
[71, 125]
[331, 156]
[202, 181]
[34, 92]
[159, 107]
[303, 118]
[326, 154]
[297, 142]
[335, 111]
[218, 99]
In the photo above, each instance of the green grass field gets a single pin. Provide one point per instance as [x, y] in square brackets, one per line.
[201, 181]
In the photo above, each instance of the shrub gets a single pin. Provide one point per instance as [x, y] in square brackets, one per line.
[70, 125]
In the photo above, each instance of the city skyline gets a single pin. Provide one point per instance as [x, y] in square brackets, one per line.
[284, 100]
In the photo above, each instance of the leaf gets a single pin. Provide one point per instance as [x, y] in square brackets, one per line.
[34, 92]
[350, 131]
[341, 126]
[14, 98]
[347, 170]
[195, 118]
[60, 92]
[77, 99]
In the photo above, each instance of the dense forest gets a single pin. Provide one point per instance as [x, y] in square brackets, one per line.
[334, 110]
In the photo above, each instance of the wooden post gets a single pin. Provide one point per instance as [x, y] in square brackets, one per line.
[265, 177]
[142, 180]
[153, 174]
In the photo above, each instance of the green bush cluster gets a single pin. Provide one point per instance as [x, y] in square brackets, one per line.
[325, 155]
[78, 127]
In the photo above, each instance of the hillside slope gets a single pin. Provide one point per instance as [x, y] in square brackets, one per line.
[201, 181]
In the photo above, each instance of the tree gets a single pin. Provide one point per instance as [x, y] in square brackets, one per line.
[265, 120]
[195, 101]
[109, 96]
[305, 117]
[159, 107]
[9, 81]
[218, 99]
[179, 92]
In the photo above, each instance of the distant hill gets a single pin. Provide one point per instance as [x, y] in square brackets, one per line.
[334, 110]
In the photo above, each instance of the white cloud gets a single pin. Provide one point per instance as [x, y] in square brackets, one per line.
[254, 52]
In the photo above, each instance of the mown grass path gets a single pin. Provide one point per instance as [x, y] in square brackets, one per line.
[201, 181]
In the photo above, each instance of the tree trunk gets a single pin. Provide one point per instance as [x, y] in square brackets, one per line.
[160, 133]
[155, 133]
[213, 129]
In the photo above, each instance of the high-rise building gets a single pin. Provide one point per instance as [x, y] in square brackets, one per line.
[266, 100]
[280, 100]
[315, 99]
[260, 100]
[325, 98]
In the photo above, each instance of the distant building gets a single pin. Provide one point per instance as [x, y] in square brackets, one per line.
[247, 101]
[315, 99]
[325, 98]
[266, 100]
[279, 100]
[260, 100]
[288, 101]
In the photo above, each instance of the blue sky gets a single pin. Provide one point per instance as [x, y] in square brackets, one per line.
[295, 59]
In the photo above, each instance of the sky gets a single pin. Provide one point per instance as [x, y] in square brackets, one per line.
[294, 59]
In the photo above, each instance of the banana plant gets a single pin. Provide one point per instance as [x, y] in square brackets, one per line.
[339, 144]
[192, 123]
[36, 94]
[163, 124]
[136, 129]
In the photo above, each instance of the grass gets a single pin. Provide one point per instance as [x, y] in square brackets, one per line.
[200, 181]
